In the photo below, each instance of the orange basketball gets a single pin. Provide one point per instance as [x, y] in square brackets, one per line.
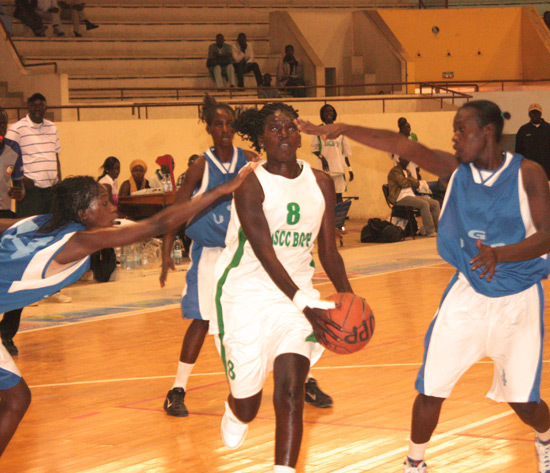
[356, 321]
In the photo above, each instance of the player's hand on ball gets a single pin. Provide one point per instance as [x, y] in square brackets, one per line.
[321, 324]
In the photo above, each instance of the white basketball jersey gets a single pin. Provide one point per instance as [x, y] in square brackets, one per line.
[294, 210]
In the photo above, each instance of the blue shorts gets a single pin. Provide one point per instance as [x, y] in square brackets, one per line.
[9, 373]
[197, 301]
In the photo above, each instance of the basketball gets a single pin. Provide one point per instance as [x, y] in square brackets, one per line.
[356, 321]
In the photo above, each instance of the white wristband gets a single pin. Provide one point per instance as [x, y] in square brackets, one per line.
[301, 301]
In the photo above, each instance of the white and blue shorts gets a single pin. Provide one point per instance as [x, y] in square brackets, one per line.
[9, 373]
[249, 350]
[197, 300]
[470, 326]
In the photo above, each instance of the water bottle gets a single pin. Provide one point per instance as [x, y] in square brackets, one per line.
[178, 254]
[137, 256]
[166, 183]
[130, 257]
[124, 257]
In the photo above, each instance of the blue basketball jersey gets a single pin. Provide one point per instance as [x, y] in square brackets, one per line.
[25, 255]
[492, 206]
[208, 227]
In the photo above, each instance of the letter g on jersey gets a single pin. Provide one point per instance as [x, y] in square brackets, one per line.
[475, 234]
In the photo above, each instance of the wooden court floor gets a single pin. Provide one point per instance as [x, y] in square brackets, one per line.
[98, 389]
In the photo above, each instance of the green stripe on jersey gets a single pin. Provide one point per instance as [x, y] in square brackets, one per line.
[219, 289]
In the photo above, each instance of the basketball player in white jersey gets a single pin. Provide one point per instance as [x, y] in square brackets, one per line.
[495, 230]
[265, 299]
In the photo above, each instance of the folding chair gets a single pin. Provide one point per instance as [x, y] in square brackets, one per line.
[342, 209]
[402, 211]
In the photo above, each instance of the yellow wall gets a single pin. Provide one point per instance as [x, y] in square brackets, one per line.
[495, 32]
[85, 145]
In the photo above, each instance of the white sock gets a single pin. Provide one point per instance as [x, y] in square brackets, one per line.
[417, 450]
[283, 469]
[184, 370]
[544, 437]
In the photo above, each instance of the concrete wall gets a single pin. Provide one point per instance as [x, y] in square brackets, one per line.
[28, 81]
[493, 32]
[85, 145]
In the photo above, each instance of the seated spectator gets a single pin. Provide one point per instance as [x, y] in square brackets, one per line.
[111, 170]
[25, 11]
[78, 16]
[164, 174]
[243, 57]
[6, 20]
[137, 180]
[220, 62]
[266, 91]
[290, 73]
[405, 129]
[190, 161]
[49, 10]
[401, 184]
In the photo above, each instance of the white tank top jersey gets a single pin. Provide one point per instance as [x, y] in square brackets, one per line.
[294, 209]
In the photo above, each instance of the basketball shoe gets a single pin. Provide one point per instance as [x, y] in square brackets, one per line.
[315, 396]
[420, 468]
[233, 430]
[543, 452]
[174, 405]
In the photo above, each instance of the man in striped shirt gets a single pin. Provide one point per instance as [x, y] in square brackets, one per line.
[39, 143]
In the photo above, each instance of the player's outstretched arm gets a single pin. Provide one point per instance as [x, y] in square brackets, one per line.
[535, 184]
[326, 241]
[87, 242]
[439, 163]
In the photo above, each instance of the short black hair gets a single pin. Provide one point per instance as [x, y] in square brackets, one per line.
[488, 113]
[250, 122]
[36, 96]
[326, 107]
[401, 122]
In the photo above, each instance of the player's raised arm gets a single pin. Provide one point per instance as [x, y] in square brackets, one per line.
[86, 242]
[437, 162]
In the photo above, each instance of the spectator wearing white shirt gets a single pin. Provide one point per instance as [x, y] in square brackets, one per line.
[39, 142]
[243, 57]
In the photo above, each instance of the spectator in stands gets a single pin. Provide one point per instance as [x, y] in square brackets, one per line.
[290, 73]
[401, 184]
[243, 57]
[533, 139]
[137, 180]
[190, 161]
[333, 154]
[266, 91]
[111, 170]
[49, 10]
[163, 178]
[220, 62]
[78, 15]
[5, 20]
[546, 18]
[39, 143]
[25, 11]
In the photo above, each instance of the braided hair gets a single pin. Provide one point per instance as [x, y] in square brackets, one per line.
[70, 196]
[209, 107]
[250, 123]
